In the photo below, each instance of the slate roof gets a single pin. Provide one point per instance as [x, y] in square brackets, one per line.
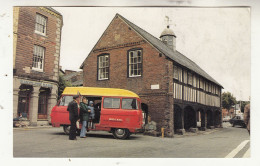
[77, 83]
[173, 55]
[69, 76]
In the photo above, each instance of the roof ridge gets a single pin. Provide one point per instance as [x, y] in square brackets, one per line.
[140, 28]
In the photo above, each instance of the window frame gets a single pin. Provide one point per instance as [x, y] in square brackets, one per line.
[137, 103]
[120, 102]
[44, 26]
[128, 65]
[43, 59]
[98, 76]
[63, 101]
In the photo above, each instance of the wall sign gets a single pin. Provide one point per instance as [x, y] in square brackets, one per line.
[155, 86]
[35, 83]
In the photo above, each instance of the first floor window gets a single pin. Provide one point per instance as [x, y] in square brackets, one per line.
[40, 24]
[103, 67]
[135, 63]
[190, 78]
[38, 57]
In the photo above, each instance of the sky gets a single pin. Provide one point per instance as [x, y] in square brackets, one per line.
[217, 39]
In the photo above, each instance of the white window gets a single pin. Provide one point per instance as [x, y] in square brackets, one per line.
[189, 78]
[103, 67]
[40, 25]
[38, 57]
[177, 73]
[185, 77]
[135, 63]
[111, 103]
[194, 81]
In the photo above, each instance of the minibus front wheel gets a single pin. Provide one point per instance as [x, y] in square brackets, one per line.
[120, 133]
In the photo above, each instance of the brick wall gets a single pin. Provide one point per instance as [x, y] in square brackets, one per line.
[115, 41]
[27, 38]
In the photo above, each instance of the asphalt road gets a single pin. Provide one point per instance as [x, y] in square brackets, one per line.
[52, 142]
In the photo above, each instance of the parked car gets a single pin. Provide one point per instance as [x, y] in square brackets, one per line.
[226, 119]
[237, 120]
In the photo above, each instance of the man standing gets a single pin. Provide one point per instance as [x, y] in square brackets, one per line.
[247, 117]
[73, 109]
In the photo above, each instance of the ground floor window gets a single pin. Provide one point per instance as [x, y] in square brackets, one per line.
[24, 100]
[43, 103]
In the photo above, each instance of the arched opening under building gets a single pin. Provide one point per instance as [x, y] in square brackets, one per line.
[24, 100]
[189, 118]
[209, 118]
[217, 118]
[44, 94]
[145, 112]
[177, 118]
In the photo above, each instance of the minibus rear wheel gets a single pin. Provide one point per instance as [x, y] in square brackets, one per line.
[66, 130]
[121, 133]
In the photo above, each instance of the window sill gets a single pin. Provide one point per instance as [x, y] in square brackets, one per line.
[39, 33]
[38, 70]
[103, 79]
[135, 76]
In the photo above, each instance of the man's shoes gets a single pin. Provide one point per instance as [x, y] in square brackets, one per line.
[73, 139]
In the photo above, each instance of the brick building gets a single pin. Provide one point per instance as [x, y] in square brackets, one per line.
[74, 77]
[36, 55]
[174, 90]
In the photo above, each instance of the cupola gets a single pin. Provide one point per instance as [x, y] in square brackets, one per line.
[169, 38]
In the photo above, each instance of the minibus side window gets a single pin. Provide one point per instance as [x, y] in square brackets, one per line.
[66, 100]
[111, 103]
[129, 104]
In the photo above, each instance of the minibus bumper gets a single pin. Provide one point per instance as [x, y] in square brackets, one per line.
[139, 130]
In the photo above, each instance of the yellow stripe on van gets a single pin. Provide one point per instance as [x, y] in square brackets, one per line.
[95, 91]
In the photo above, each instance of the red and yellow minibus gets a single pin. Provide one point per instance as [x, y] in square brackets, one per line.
[116, 110]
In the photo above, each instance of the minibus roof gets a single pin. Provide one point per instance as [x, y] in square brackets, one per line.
[95, 91]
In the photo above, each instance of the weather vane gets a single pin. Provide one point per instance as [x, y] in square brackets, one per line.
[168, 21]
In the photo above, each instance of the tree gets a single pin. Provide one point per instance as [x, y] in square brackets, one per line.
[228, 100]
[62, 84]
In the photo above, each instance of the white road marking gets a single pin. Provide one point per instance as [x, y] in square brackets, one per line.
[247, 154]
[237, 149]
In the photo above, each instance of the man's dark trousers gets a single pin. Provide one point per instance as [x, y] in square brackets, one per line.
[73, 129]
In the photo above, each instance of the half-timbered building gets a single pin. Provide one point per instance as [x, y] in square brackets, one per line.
[175, 91]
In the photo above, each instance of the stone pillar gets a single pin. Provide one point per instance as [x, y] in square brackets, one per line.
[182, 130]
[16, 86]
[33, 110]
[52, 101]
[15, 102]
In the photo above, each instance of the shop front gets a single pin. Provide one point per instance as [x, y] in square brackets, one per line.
[33, 100]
